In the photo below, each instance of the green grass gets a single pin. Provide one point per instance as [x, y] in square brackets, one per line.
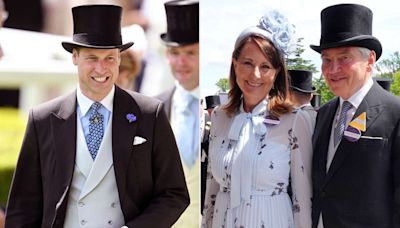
[12, 128]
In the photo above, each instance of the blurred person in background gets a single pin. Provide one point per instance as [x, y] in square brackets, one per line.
[99, 156]
[57, 16]
[136, 59]
[384, 83]
[133, 14]
[132, 60]
[3, 17]
[2, 217]
[26, 15]
[129, 70]
[3, 13]
[211, 102]
[182, 101]
[301, 89]
[301, 93]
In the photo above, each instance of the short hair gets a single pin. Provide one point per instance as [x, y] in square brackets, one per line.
[365, 52]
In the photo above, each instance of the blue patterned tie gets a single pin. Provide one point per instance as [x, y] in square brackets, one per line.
[93, 140]
[346, 106]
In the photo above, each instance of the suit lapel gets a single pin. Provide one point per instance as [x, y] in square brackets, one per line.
[166, 98]
[123, 134]
[83, 159]
[63, 125]
[168, 102]
[322, 133]
[372, 106]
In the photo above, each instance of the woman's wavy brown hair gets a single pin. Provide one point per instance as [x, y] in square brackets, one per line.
[277, 95]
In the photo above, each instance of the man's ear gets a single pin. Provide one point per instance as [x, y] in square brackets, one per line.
[75, 55]
[167, 53]
[371, 61]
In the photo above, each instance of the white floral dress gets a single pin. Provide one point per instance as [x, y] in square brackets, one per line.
[251, 159]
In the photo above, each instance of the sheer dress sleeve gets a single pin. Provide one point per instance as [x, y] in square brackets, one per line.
[300, 167]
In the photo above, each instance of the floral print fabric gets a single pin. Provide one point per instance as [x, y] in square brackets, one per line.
[254, 193]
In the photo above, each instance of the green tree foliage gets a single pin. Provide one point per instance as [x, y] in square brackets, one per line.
[388, 67]
[12, 128]
[223, 84]
[297, 62]
[323, 89]
[395, 87]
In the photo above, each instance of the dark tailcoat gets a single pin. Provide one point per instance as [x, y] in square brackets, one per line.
[362, 186]
[149, 176]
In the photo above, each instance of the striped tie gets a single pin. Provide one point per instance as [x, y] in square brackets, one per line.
[346, 106]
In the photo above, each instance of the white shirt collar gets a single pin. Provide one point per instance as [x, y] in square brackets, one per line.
[358, 97]
[85, 103]
[194, 92]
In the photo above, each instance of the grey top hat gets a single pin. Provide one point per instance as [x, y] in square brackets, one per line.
[347, 25]
[96, 26]
[182, 22]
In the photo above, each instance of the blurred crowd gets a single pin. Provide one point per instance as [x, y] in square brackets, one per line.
[145, 57]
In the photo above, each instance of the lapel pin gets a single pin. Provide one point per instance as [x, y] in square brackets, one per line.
[131, 118]
[352, 134]
[360, 122]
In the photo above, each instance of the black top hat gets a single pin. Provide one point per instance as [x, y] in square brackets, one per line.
[384, 82]
[97, 26]
[347, 25]
[301, 80]
[182, 22]
[212, 101]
